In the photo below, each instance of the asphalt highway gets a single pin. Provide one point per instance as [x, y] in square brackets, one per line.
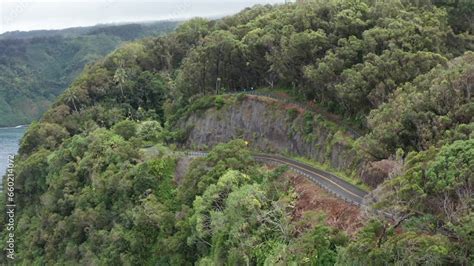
[331, 183]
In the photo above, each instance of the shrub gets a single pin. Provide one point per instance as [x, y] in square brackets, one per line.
[125, 128]
[292, 114]
[219, 102]
[150, 131]
[308, 123]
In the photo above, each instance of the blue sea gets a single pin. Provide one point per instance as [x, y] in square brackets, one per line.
[9, 144]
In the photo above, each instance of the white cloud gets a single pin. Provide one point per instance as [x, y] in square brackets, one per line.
[55, 14]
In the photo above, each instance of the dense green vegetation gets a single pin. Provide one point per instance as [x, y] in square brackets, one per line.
[37, 66]
[432, 200]
[89, 191]
[101, 204]
[348, 55]
[434, 109]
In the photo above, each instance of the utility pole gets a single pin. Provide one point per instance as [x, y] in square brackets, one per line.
[218, 85]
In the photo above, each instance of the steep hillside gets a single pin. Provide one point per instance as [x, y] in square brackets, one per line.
[95, 180]
[35, 67]
[125, 31]
[269, 126]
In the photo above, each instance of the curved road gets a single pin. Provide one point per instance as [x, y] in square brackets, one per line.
[331, 183]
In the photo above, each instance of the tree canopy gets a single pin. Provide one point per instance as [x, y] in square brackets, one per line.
[97, 180]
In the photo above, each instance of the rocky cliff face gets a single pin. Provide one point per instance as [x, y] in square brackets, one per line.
[274, 127]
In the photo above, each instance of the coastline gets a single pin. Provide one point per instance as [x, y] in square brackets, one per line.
[13, 127]
[10, 138]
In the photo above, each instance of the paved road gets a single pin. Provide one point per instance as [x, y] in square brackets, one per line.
[331, 183]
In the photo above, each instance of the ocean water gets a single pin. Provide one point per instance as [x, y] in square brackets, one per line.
[9, 144]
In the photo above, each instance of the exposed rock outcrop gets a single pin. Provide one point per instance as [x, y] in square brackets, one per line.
[274, 127]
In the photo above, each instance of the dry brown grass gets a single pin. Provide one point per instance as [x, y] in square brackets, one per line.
[339, 214]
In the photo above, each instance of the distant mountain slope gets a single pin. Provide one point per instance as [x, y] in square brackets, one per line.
[37, 66]
[91, 189]
[122, 30]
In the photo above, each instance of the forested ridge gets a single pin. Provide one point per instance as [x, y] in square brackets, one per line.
[37, 66]
[96, 178]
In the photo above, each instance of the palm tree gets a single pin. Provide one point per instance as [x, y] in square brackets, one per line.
[120, 77]
[71, 97]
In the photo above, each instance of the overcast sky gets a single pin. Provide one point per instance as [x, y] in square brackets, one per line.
[56, 14]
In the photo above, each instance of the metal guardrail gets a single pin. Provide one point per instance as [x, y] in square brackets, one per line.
[196, 154]
[312, 177]
[297, 170]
